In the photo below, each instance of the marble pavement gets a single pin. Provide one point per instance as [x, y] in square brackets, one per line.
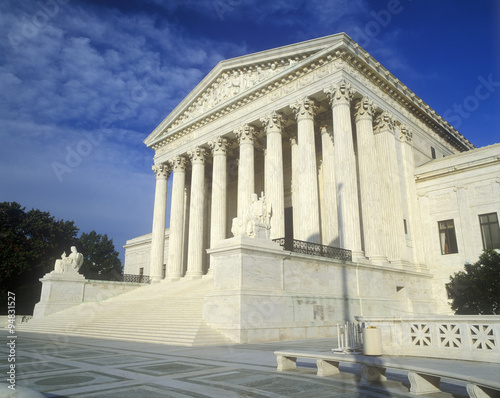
[60, 366]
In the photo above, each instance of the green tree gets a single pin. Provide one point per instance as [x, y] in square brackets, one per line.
[30, 242]
[100, 260]
[477, 290]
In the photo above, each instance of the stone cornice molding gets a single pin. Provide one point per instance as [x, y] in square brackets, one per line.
[161, 170]
[343, 53]
[364, 109]
[304, 108]
[219, 146]
[471, 165]
[340, 93]
[178, 164]
[197, 155]
[384, 122]
[273, 123]
[245, 134]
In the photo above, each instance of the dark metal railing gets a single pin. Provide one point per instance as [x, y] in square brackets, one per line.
[136, 278]
[314, 249]
[122, 278]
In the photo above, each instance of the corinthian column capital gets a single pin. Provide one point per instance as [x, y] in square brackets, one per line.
[245, 134]
[219, 146]
[273, 123]
[383, 122]
[340, 93]
[161, 170]
[197, 155]
[304, 109]
[406, 134]
[178, 164]
[364, 109]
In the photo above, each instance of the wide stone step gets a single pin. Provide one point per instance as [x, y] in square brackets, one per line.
[163, 313]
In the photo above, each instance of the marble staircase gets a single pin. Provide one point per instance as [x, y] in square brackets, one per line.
[166, 313]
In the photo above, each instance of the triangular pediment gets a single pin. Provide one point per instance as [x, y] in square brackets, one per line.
[235, 77]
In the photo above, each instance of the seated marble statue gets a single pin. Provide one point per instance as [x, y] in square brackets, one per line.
[255, 221]
[69, 264]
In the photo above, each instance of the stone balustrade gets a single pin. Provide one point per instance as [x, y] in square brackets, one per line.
[474, 338]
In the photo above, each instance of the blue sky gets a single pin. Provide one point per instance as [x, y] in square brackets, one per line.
[83, 83]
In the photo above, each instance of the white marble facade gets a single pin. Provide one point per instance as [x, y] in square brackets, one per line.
[343, 152]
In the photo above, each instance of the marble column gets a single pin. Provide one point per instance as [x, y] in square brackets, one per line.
[246, 167]
[369, 183]
[331, 229]
[196, 214]
[175, 247]
[162, 173]
[385, 145]
[219, 147]
[414, 217]
[274, 184]
[309, 229]
[294, 153]
[340, 96]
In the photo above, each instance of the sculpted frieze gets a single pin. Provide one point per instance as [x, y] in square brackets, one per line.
[229, 84]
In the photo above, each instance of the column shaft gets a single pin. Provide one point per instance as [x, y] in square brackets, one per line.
[294, 148]
[385, 145]
[309, 229]
[369, 183]
[345, 168]
[274, 184]
[219, 148]
[175, 248]
[158, 234]
[246, 167]
[331, 231]
[196, 214]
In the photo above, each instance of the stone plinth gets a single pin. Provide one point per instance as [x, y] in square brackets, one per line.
[64, 290]
[59, 291]
[264, 293]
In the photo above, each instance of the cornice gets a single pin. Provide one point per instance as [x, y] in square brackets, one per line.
[459, 168]
[346, 50]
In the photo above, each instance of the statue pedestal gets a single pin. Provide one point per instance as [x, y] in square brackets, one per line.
[248, 303]
[59, 291]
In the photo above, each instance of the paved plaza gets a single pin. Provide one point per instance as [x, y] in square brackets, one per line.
[65, 366]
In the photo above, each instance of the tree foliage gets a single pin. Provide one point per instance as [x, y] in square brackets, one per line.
[476, 291]
[100, 260]
[30, 243]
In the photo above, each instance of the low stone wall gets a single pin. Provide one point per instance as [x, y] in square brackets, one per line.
[474, 338]
[60, 291]
[264, 293]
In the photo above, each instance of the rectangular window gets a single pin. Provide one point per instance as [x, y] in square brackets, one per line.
[490, 231]
[447, 237]
[141, 274]
[406, 226]
[433, 153]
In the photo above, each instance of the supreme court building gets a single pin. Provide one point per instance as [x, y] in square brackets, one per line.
[344, 156]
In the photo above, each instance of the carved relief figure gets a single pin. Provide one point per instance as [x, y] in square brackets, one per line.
[69, 264]
[256, 220]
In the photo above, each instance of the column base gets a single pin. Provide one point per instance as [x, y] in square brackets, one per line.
[379, 259]
[172, 279]
[193, 276]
